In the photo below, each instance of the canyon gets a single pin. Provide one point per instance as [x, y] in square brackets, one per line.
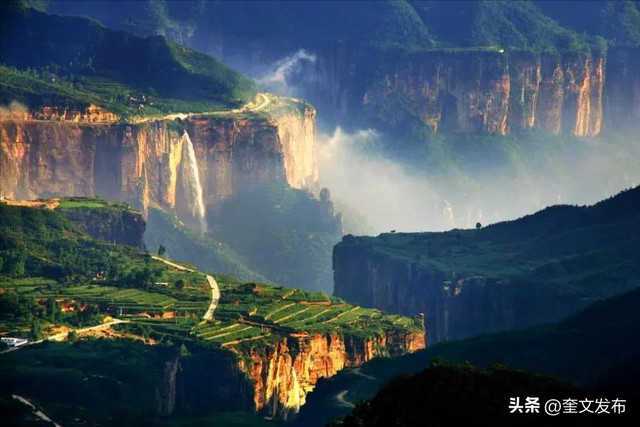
[53, 153]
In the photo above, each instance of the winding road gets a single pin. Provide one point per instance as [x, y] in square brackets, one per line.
[215, 290]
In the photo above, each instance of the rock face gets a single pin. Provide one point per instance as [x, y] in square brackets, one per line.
[622, 89]
[139, 164]
[119, 226]
[284, 373]
[455, 306]
[491, 92]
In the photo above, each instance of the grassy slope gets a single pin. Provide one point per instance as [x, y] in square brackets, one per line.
[508, 24]
[585, 348]
[113, 64]
[204, 251]
[586, 250]
[406, 25]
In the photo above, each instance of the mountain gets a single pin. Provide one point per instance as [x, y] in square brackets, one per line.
[145, 329]
[80, 55]
[594, 348]
[476, 67]
[509, 275]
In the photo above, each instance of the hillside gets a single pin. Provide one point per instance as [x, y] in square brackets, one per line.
[407, 25]
[83, 60]
[509, 275]
[594, 348]
[261, 345]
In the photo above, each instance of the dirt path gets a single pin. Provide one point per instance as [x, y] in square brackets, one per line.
[63, 335]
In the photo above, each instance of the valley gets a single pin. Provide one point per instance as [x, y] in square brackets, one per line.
[319, 213]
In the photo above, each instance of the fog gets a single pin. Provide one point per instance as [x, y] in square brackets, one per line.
[485, 184]
[457, 181]
[379, 189]
[278, 76]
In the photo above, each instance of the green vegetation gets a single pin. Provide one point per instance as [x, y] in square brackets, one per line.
[595, 347]
[585, 251]
[293, 229]
[30, 90]
[617, 21]
[408, 25]
[204, 251]
[256, 311]
[506, 24]
[453, 394]
[123, 377]
[75, 61]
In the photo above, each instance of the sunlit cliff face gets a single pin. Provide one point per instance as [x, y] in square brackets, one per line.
[186, 170]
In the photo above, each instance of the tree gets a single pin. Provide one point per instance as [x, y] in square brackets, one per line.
[161, 250]
[72, 337]
[54, 312]
[478, 226]
[184, 351]
[36, 330]
[179, 284]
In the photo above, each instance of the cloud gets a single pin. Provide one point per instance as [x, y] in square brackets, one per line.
[277, 79]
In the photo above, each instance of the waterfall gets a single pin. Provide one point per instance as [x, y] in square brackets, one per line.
[191, 181]
[296, 391]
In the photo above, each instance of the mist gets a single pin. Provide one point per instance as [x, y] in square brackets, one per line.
[282, 77]
[503, 179]
[379, 189]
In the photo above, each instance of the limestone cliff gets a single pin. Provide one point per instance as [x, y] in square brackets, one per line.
[622, 88]
[455, 306]
[494, 92]
[286, 371]
[140, 163]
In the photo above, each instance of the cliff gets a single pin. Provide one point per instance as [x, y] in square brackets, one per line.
[510, 275]
[491, 92]
[283, 374]
[105, 220]
[145, 163]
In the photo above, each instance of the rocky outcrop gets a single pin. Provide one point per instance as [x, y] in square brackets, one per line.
[285, 372]
[139, 164]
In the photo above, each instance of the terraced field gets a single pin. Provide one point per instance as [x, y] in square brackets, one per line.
[250, 312]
